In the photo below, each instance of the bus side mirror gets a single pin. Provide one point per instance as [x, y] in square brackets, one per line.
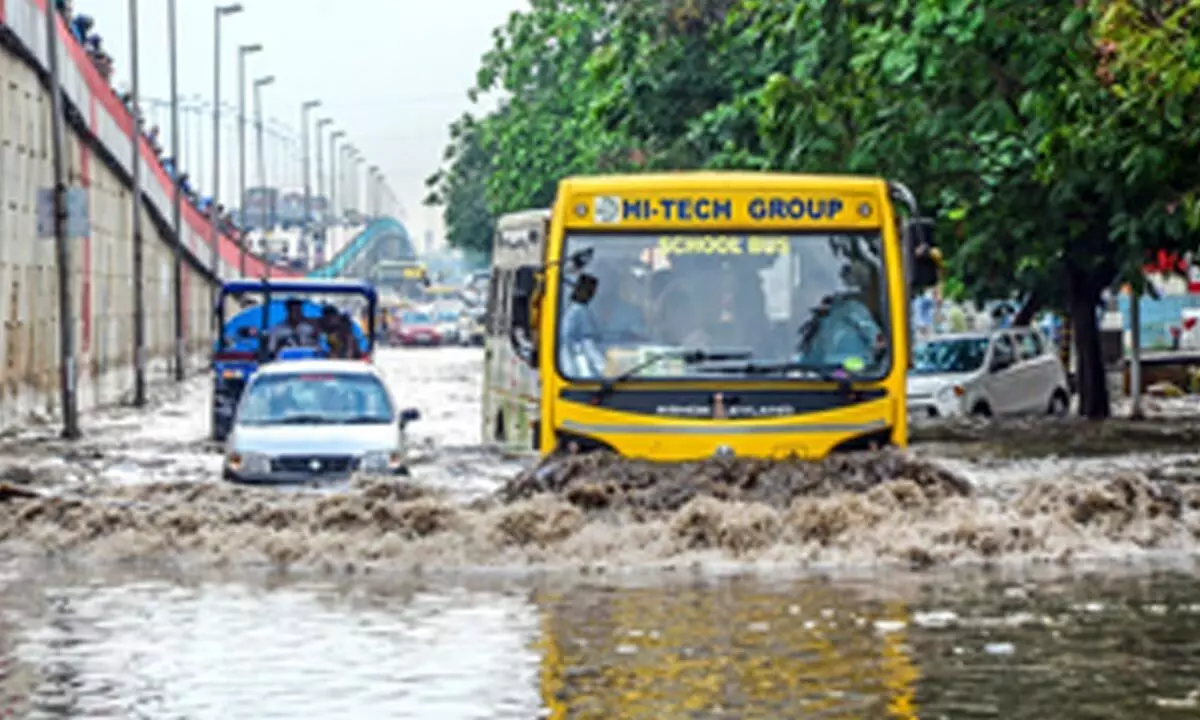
[585, 289]
[925, 259]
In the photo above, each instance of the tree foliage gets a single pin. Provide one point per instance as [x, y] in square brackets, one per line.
[1055, 142]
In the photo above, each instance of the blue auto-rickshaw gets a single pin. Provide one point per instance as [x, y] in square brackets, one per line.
[242, 345]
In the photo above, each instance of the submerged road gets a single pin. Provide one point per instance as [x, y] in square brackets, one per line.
[169, 594]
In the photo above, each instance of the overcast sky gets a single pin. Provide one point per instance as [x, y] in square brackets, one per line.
[391, 73]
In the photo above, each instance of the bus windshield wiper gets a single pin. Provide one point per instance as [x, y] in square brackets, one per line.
[690, 356]
[821, 371]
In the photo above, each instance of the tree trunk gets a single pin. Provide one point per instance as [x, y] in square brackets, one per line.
[1089, 360]
[1028, 309]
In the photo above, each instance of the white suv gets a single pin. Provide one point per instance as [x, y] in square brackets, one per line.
[1006, 371]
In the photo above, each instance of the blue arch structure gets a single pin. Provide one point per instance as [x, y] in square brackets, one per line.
[384, 239]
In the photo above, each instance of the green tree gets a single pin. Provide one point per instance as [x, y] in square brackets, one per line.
[461, 190]
[1050, 139]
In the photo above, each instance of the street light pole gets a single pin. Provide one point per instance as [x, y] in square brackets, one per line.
[320, 170]
[259, 84]
[306, 170]
[62, 250]
[176, 193]
[219, 12]
[139, 299]
[359, 192]
[243, 51]
[347, 160]
[333, 168]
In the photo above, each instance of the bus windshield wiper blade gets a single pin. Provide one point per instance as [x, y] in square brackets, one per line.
[825, 372]
[690, 356]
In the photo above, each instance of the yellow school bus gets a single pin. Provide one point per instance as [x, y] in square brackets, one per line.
[680, 316]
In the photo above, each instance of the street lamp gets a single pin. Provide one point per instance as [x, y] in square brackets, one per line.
[243, 51]
[219, 12]
[139, 302]
[304, 110]
[259, 84]
[372, 190]
[176, 190]
[348, 153]
[333, 168]
[359, 192]
[320, 172]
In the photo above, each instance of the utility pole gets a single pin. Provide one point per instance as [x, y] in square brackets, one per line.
[243, 51]
[219, 12]
[261, 148]
[139, 290]
[305, 160]
[333, 168]
[66, 321]
[176, 193]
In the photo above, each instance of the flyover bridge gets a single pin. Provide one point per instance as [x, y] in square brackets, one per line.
[383, 239]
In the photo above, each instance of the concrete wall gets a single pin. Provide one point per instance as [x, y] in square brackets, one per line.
[99, 148]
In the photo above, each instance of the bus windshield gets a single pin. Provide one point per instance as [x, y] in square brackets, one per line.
[813, 300]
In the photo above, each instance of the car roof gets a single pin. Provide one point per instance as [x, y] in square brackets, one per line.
[326, 366]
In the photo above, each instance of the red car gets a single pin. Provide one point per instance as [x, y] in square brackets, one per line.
[417, 328]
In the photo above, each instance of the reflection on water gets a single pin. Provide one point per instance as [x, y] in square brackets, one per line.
[142, 646]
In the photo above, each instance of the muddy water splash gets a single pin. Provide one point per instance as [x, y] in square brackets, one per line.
[598, 510]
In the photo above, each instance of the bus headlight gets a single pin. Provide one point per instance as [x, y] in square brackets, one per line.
[381, 461]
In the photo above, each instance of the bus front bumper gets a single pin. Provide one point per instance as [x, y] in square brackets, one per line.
[682, 442]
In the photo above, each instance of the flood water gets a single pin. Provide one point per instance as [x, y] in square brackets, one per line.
[77, 644]
[978, 582]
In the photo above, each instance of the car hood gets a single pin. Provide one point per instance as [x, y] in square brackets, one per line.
[315, 439]
[930, 384]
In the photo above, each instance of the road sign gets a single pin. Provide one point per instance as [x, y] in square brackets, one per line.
[78, 219]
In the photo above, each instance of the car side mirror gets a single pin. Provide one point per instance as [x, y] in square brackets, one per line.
[408, 416]
[999, 364]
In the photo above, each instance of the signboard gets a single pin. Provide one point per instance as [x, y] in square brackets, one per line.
[78, 220]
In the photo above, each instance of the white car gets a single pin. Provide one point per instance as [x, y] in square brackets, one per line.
[1010, 371]
[447, 322]
[306, 420]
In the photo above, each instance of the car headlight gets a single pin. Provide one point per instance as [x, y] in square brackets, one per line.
[945, 393]
[381, 461]
[249, 463]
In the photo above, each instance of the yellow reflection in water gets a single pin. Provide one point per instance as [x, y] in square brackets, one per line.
[810, 651]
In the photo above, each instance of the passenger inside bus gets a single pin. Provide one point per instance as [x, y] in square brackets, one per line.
[844, 325]
[615, 316]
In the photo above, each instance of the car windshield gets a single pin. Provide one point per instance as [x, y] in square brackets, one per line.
[815, 300]
[949, 355]
[417, 318]
[317, 399]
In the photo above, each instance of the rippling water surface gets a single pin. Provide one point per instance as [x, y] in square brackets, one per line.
[77, 644]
